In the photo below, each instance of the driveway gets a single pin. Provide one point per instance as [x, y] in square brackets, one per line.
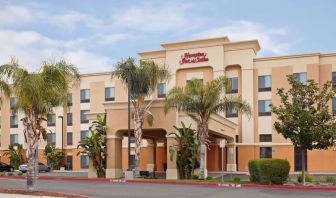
[104, 189]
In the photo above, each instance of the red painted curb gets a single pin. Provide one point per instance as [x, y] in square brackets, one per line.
[178, 183]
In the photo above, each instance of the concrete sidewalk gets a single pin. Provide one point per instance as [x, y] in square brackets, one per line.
[4, 195]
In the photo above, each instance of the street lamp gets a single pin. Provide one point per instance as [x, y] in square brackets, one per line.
[62, 140]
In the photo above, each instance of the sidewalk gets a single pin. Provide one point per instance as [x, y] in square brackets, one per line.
[4, 195]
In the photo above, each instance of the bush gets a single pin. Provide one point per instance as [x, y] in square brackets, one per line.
[20, 174]
[194, 177]
[308, 177]
[209, 178]
[2, 174]
[10, 174]
[320, 179]
[269, 171]
[330, 179]
[236, 179]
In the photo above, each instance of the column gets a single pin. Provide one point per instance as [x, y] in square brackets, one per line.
[114, 157]
[92, 173]
[248, 96]
[171, 172]
[231, 165]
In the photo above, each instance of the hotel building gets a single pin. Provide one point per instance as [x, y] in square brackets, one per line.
[255, 79]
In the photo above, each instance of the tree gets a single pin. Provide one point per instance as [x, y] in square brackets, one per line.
[36, 93]
[186, 149]
[54, 157]
[15, 155]
[200, 101]
[144, 78]
[95, 145]
[304, 116]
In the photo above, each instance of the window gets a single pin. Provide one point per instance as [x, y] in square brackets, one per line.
[301, 77]
[161, 90]
[265, 138]
[231, 113]
[12, 102]
[237, 138]
[85, 95]
[109, 93]
[264, 107]
[334, 80]
[51, 138]
[69, 100]
[83, 116]
[265, 152]
[51, 120]
[265, 83]
[69, 119]
[334, 105]
[14, 121]
[14, 139]
[84, 161]
[69, 138]
[83, 135]
[234, 85]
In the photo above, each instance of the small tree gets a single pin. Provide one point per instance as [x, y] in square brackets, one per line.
[304, 116]
[95, 145]
[15, 155]
[54, 157]
[186, 149]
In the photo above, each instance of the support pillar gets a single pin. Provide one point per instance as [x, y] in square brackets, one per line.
[231, 165]
[92, 173]
[114, 157]
[171, 172]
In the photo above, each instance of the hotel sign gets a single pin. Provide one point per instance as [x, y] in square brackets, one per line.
[193, 57]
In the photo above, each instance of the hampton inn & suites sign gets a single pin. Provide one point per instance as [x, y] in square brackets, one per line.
[194, 57]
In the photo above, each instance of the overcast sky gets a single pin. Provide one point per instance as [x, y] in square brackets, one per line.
[95, 34]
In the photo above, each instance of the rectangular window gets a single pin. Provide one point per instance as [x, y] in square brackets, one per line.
[69, 99]
[51, 120]
[69, 138]
[161, 90]
[334, 80]
[232, 113]
[264, 107]
[14, 139]
[265, 152]
[69, 119]
[83, 135]
[14, 121]
[265, 83]
[83, 116]
[84, 161]
[51, 138]
[265, 138]
[109, 93]
[234, 85]
[334, 105]
[85, 95]
[301, 77]
[12, 102]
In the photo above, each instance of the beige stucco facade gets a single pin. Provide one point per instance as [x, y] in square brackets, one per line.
[204, 59]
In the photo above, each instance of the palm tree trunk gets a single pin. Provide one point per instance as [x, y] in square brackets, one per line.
[203, 136]
[31, 172]
[303, 165]
[138, 137]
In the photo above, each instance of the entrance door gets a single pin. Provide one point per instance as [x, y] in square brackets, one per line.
[298, 159]
[69, 162]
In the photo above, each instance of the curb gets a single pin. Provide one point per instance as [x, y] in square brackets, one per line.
[187, 183]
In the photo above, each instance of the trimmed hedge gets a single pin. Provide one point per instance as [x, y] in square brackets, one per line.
[269, 171]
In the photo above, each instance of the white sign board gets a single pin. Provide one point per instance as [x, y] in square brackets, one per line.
[222, 143]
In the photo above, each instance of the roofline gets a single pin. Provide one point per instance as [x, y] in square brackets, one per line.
[95, 74]
[223, 38]
[287, 56]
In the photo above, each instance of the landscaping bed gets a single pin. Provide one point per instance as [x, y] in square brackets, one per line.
[41, 193]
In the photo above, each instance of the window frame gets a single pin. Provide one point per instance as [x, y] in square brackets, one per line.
[265, 154]
[162, 95]
[81, 136]
[68, 120]
[82, 114]
[10, 139]
[231, 114]
[230, 90]
[53, 136]
[84, 166]
[264, 113]
[83, 93]
[297, 77]
[109, 98]
[69, 143]
[265, 138]
[16, 124]
[51, 123]
[264, 89]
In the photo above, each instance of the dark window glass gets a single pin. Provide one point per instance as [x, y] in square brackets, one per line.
[12, 102]
[14, 139]
[69, 138]
[69, 119]
[231, 113]
[51, 138]
[84, 161]
[83, 116]
[161, 90]
[109, 93]
[265, 152]
[234, 85]
[85, 95]
[301, 77]
[84, 134]
[69, 100]
[51, 120]
[237, 138]
[14, 121]
[265, 83]
[264, 108]
[265, 138]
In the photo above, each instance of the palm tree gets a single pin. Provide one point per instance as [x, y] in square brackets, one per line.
[15, 155]
[95, 145]
[200, 101]
[144, 78]
[37, 93]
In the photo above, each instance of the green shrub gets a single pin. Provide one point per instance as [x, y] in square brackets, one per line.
[308, 177]
[10, 174]
[236, 179]
[194, 177]
[209, 178]
[330, 179]
[20, 174]
[320, 179]
[2, 174]
[269, 171]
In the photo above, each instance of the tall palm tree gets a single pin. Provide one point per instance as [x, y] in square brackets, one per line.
[200, 101]
[37, 93]
[144, 79]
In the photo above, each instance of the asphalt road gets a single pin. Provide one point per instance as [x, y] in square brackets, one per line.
[120, 190]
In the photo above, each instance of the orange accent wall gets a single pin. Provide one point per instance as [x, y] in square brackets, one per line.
[214, 158]
[284, 152]
[245, 154]
[322, 160]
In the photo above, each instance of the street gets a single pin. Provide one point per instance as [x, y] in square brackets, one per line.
[104, 189]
